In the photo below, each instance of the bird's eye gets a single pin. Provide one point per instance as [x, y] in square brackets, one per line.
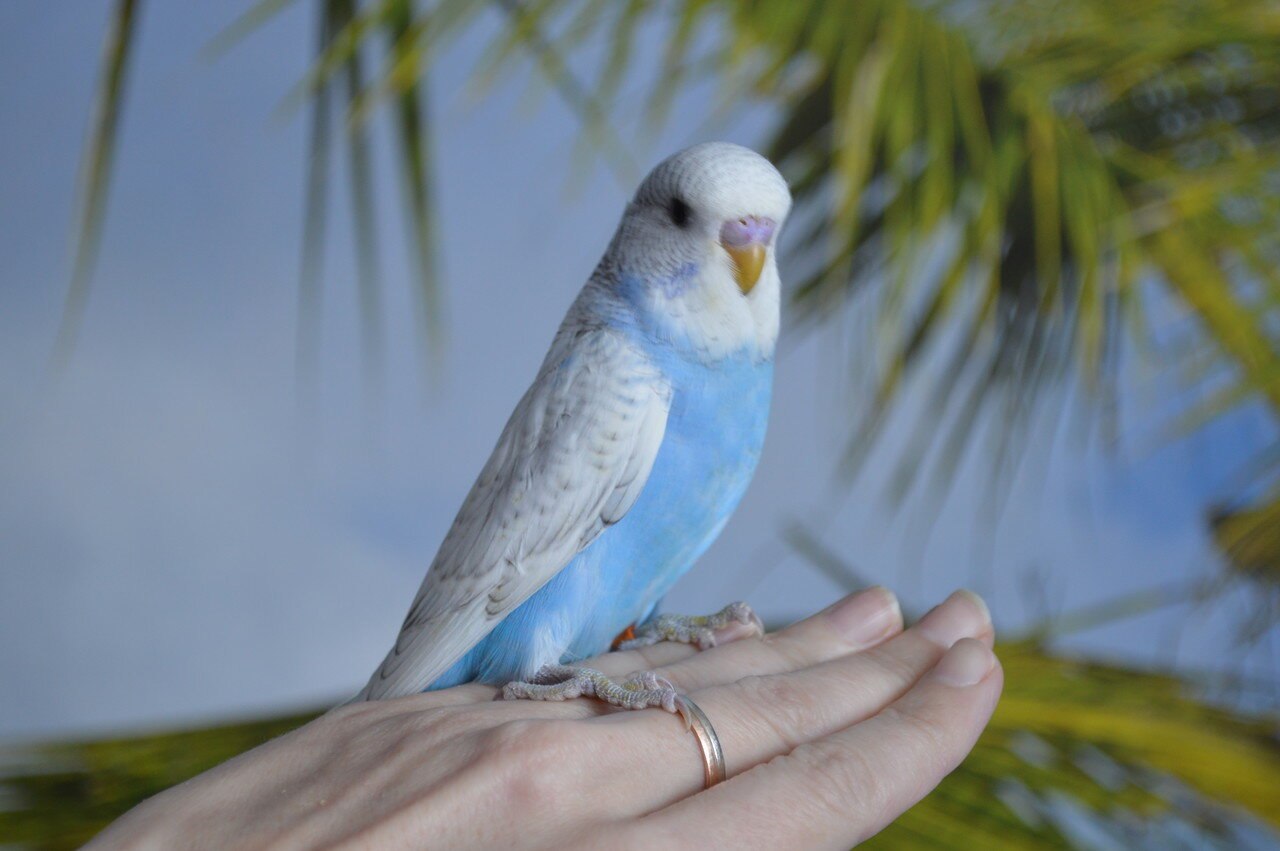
[680, 212]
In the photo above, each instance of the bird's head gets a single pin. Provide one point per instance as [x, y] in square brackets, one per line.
[696, 247]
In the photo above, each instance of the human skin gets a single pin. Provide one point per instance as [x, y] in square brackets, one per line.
[831, 728]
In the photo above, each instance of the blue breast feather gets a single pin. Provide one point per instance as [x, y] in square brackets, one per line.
[715, 430]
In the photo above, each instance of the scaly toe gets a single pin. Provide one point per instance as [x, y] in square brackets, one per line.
[564, 682]
[744, 614]
[735, 621]
[703, 639]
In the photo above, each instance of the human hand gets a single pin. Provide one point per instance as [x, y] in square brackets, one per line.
[831, 728]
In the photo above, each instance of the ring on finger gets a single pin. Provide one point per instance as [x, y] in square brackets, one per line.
[713, 768]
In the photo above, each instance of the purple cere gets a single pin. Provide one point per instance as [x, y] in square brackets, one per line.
[746, 231]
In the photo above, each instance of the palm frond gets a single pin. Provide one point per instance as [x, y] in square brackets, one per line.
[362, 214]
[315, 207]
[408, 81]
[95, 176]
[528, 30]
[344, 29]
[1249, 537]
[1067, 154]
[1080, 753]
[249, 22]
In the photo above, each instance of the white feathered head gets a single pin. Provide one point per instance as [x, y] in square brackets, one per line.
[696, 246]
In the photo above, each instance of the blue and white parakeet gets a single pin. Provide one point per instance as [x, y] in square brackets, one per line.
[626, 456]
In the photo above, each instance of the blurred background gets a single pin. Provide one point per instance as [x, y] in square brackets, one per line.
[275, 274]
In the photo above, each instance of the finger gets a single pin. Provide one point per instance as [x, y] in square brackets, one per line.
[760, 717]
[839, 790]
[852, 623]
[855, 623]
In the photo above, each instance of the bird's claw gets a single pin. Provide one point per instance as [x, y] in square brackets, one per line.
[698, 630]
[564, 682]
[644, 688]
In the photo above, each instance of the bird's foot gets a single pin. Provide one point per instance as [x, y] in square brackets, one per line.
[565, 682]
[698, 630]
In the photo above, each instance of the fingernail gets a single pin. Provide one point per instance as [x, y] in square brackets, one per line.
[965, 664]
[962, 615]
[867, 616]
[978, 603]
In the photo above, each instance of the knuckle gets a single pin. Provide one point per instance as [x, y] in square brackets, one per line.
[524, 756]
[902, 672]
[780, 705]
[432, 726]
[648, 659]
[511, 740]
[839, 776]
[526, 741]
[788, 652]
[924, 737]
[676, 674]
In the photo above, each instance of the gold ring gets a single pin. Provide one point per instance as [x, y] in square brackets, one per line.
[713, 770]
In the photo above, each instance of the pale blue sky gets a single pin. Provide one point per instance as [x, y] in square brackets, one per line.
[175, 543]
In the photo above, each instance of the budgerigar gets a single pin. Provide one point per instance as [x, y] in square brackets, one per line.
[624, 459]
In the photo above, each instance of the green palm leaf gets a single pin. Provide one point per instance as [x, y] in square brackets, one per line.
[344, 28]
[407, 80]
[95, 179]
[1077, 748]
[60, 795]
[1058, 154]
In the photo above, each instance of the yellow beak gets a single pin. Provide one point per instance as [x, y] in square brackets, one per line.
[748, 262]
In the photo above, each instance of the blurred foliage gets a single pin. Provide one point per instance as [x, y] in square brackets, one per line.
[61, 795]
[1078, 750]
[1046, 158]
[997, 181]
[347, 82]
[341, 27]
[95, 172]
[1251, 537]
[1073, 747]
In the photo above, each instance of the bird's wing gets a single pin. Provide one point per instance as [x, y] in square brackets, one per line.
[571, 461]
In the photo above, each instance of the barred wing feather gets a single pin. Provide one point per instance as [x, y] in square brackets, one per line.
[571, 461]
